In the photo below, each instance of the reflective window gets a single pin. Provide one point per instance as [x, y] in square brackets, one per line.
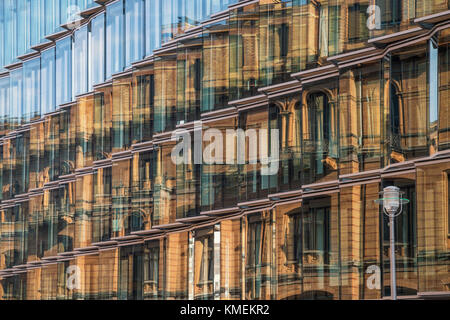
[142, 191]
[102, 219]
[220, 179]
[16, 97]
[31, 88]
[189, 76]
[63, 67]
[254, 184]
[285, 116]
[360, 119]
[405, 239]
[320, 135]
[258, 256]
[153, 22]
[444, 90]
[143, 105]
[80, 61]
[48, 81]
[114, 39]
[215, 67]
[165, 94]
[134, 31]
[121, 198]
[4, 104]
[244, 58]
[408, 126]
[11, 26]
[164, 185]
[204, 264]
[121, 114]
[97, 46]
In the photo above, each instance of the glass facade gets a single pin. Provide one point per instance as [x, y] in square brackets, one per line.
[338, 98]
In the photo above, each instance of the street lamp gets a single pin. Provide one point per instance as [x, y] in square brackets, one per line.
[392, 202]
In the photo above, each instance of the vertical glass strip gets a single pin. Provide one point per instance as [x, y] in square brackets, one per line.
[48, 81]
[134, 26]
[98, 49]
[31, 90]
[114, 39]
[63, 71]
[80, 60]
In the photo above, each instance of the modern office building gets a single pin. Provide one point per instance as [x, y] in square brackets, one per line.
[352, 95]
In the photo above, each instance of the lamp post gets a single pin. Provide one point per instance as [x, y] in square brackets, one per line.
[392, 207]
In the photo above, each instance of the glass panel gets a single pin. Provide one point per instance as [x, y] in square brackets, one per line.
[72, 142]
[153, 265]
[189, 75]
[219, 178]
[80, 61]
[121, 114]
[360, 242]
[320, 249]
[165, 94]
[4, 105]
[49, 282]
[153, 22]
[285, 116]
[11, 26]
[16, 98]
[101, 217]
[444, 90]
[231, 259]
[258, 258]
[65, 199]
[320, 135]
[114, 38]
[188, 181]
[21, 40]
[84, 132]
[164, 180]
[48, 81]
[204, 265]
[360, 119]
[275, 44]
[254, 184]
[103, 123]
[407, 90]
[134, 30]
[244, 58]
[215, 67]
[406, 241]
[97, 45]
[51, 149]
[83, 211]
[289, 262]
[176, 267]
[108, 277]
[142, 192]
[63, 71]
[143, 105]
[433, 232]
[121, 198]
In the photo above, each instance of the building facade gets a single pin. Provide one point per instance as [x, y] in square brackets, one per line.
[355, 94]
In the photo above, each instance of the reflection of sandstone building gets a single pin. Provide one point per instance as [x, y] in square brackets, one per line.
[92, 206]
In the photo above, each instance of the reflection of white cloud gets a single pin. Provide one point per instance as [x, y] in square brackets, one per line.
[73, 16]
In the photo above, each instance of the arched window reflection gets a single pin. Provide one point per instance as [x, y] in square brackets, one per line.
[320, 134]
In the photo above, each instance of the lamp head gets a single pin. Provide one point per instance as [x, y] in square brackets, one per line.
[391, 201]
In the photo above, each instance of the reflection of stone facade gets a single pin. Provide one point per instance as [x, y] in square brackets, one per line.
[93, 207]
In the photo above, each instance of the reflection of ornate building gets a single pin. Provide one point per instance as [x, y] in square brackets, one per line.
[93, 206]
